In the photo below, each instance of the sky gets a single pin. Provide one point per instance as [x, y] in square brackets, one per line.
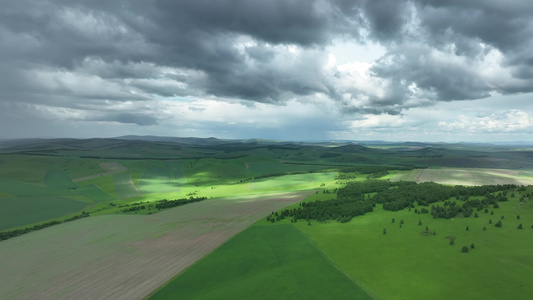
[395, 70]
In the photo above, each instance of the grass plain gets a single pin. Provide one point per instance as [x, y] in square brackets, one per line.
[20, 211]
[263, 262]
[405, 264]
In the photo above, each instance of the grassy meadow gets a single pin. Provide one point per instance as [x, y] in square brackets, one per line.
[263, 262]
[406, 263]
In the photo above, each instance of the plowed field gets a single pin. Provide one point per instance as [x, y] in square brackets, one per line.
[124, 257]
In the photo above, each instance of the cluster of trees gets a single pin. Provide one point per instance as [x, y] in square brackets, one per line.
[163, 204]
[341, 210]
[373, 169]
[358, 198]
[4, 235]
[376, 175]
[277, 175]
[134, 208]
[372, 172]
[401, 195]
[451, 209]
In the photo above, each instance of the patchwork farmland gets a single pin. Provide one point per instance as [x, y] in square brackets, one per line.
[124, 257]
[129, 220]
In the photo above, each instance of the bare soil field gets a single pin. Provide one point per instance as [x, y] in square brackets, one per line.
[473, 176]
[124, 256]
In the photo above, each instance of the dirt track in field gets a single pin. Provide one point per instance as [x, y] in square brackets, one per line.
[124, 256]
[109, 167]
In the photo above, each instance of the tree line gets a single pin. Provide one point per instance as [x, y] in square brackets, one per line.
[4, 235]
[164, 204]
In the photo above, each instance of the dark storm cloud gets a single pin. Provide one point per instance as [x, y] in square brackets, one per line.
[446, 79]
[467, 29]
[79, 53]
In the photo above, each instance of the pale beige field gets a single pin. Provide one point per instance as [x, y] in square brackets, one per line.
[468, 176]
[124, 256]
[109, 167]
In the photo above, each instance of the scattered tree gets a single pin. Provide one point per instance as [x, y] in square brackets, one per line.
[472, 246]
[490, 221]
[518, 217]
[476, 215]
[484, 228]
[393, 220]
[419, 222]
[467, 228]
[520, 226]
[384, 231]
[499, 224]
[464, 249]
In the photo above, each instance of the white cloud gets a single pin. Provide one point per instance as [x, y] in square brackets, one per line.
[510, 121]
[378, 121]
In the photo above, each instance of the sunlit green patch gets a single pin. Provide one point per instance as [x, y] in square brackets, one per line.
[124, 186]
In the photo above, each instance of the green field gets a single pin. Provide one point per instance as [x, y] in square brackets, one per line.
[124, 186]
[27, 210]
[263, 262]
[405, 264]
[162, 178]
